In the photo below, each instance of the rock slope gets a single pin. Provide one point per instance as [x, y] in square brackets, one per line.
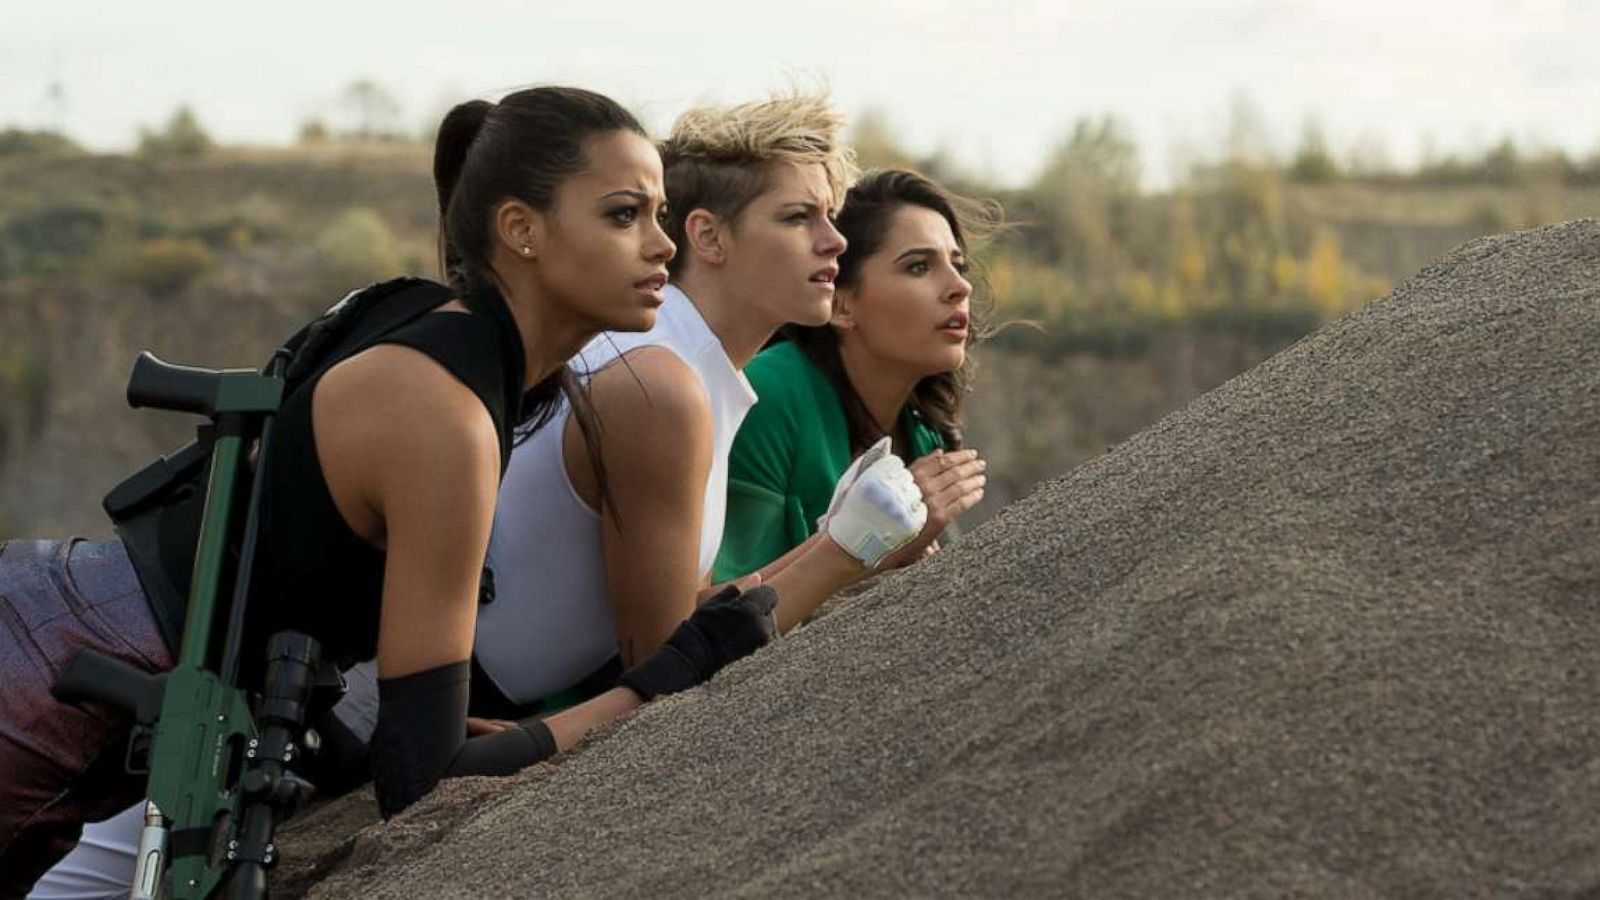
[1333, 629]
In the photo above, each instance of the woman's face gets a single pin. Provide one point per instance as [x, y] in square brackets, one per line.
[601, 251]
[909, 306]
[782, 252]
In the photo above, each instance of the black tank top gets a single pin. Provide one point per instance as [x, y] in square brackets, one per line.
[312, 572]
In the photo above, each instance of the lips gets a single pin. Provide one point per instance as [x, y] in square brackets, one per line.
[958, 321]
[651, 287]
[824, 276]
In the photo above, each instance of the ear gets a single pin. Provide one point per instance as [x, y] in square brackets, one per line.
[520, 228]
[844, 310]
[707, 237]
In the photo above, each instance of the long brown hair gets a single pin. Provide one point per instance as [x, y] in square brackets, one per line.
[864, 220]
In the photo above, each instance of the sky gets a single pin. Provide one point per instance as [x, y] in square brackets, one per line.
[991, 85]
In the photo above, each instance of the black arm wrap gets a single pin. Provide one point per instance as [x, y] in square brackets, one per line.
[421, 737]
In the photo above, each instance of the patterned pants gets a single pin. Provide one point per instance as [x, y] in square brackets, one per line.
[63, 764]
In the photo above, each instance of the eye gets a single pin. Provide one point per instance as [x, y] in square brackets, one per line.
[917, 267]
[663, 215]
[962, 266]
[797, 218]
[624, 215]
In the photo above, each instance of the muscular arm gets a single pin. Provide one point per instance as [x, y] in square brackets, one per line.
[656, 445]
[412, 461]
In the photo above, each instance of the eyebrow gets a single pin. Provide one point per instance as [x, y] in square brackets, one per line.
[915, 251]
[640, 196]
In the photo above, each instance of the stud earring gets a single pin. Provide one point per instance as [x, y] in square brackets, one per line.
[527, 251]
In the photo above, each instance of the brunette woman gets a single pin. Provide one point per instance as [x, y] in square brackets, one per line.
[892, 362]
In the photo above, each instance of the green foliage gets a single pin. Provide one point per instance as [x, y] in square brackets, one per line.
[1082, 202]
[1102, 266]
[165, 266]
[358, 246]
[18, 142]
[1313, 161]
[51, 238]
[181, 136]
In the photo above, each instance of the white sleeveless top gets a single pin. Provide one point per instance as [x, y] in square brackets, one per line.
[550, 623]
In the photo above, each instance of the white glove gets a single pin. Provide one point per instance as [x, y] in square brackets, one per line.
[851, 473]
[877, 507]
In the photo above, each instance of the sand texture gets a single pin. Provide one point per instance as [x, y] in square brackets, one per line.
[1333, 629]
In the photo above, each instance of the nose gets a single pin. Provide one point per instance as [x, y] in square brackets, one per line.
[832, 242]
[960, 291]
[658, 247]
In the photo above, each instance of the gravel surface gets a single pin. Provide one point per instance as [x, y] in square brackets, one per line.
[1333, 629]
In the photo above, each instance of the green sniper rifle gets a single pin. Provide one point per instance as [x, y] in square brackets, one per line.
[219, 775]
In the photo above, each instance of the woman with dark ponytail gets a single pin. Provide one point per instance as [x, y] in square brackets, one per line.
[380, 490]
[892, 362]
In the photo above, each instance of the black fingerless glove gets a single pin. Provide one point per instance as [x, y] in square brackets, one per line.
[729, 626]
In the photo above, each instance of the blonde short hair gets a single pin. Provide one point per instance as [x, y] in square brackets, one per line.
[717, 157]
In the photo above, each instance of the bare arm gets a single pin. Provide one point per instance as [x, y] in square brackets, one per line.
[412, 461]
[656, 446]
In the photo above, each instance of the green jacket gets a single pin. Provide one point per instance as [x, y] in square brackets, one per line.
[790, 451]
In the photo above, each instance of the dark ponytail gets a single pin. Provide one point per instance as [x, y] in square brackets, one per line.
[520, 148]
[456, 134]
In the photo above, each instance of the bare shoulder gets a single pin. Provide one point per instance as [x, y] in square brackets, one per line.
[393, 416]
[647, 390]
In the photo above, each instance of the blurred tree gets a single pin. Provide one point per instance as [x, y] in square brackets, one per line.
[1082, 198]
[358, 246]
[1502, 163]
[1099, 151]
[1313, 163]
[52, 238]
[55, 102]
[876, 144]
[313, 131]
[19, 142]
[374, 112]
[1248, 141]
[181, 136]
[1369, 158]
[166, 265]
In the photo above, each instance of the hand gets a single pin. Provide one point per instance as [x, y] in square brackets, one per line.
[477, 726]
[742, 584]
[879, 511]
[729, 626]
[951, 484]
